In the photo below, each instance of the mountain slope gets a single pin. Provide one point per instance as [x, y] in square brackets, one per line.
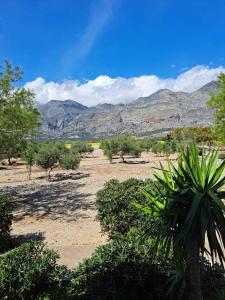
[158, 112]
[57, 114]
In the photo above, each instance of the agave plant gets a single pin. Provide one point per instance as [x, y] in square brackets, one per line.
[191, 212]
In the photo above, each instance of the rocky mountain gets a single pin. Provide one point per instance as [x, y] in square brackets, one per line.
[155, 114]
[57, 114]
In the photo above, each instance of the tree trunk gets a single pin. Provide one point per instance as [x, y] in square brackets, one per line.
[49, 174]
[29, 173]
[121, 156]
[193, 270]
[9, 161]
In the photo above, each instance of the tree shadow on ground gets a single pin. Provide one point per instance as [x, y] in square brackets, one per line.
[24, 238]
[59, 200]
[136, 162]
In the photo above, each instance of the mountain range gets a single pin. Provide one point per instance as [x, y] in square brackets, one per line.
[153, 115]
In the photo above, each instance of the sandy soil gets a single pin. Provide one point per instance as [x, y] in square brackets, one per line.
[62, 212]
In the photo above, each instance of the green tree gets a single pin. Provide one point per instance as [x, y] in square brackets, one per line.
[69, 161]
[217, 102]
[48, 157]
[190, 209]
[19, 118]
[121, 145]
[28, 155]
[82, 148]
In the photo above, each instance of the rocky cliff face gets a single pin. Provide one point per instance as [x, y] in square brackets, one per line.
[157, 113]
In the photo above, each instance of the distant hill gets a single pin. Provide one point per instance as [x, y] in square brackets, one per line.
[157, 113]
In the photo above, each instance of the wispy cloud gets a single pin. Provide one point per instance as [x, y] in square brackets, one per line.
[100, 14]
[121, 90]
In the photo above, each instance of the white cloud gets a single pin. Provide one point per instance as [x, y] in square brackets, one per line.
[120, 90]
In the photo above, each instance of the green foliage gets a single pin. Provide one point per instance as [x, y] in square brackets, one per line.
[190, 208]
[145, 144]
[166, 147]
[217, 102]
[5, 221]
[48, 157]
[120, 270]
[222, 156]
[198, 134]
[28, 155]
[115, 211]
[69, 161]
[29, 271]
[19, 119]
[81, 148]
[121, 146]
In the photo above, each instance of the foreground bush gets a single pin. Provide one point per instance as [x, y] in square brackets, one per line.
[119, 271]
[115, 210]
[29, 271]
[5, 221]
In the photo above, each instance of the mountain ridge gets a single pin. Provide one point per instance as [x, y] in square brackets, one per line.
[158, 112]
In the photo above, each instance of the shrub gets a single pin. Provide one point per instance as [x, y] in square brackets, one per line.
[69, 161]
[5, 221]
[119, 270]
[115, 210]
[48, 157]
[29, 271]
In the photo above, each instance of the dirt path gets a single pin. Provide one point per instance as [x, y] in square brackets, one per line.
[62, 213]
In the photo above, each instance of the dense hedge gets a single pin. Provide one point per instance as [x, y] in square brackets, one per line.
[29, 271]
[115, 209]
[119, 270]
[5, 221]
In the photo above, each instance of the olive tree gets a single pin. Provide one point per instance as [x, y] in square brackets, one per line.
[47, 158]
[28, 155]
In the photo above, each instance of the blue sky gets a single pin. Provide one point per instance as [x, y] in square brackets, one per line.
[83, 39]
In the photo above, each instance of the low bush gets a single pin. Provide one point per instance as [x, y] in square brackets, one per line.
[115, 210]
[119, 270]
[29, 271]
[6, 217]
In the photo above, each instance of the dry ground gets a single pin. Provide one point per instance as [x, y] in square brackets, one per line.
[62, 212]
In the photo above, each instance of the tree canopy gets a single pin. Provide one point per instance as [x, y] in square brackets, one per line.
[19, 118]
[217, 102]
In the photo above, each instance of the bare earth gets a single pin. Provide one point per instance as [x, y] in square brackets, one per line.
[62, 212]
